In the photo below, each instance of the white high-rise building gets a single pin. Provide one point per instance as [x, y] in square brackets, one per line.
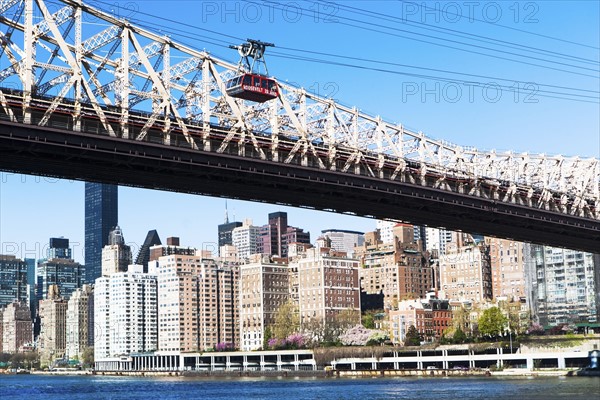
[342, 240]
[563, 285]
[386, 230]
[436, 239]
[125, 313]
[245, 239]
[102, 317]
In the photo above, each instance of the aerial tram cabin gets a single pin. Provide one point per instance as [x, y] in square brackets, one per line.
[252, 87]
[249, 83]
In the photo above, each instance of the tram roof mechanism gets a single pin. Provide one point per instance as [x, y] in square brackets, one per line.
[250, 82]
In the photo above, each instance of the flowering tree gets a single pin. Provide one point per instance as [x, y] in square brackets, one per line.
[377, 338]
[224, 346]
[275, 343]
[294, 341]
[361, 336]
[356, 336]
[535, 329]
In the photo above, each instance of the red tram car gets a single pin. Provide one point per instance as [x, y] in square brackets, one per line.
[253, 87]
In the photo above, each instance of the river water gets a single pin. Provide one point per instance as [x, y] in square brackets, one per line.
[470, 388]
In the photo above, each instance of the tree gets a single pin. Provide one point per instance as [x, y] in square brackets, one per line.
[321, 333]
[413, 337]
[5, 357]
[87, 357]
[492, 322]
[224, 346]
[267, 337]
[346, 319]
[459, 336]
[368, 320]
[31, 359]
[287, 321]
[16, 360]
[461, 319]
[378, 338]
[516, 320]
[328, 332]
[356, 336]
[536, 329]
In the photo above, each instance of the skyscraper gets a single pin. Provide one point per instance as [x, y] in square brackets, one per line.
[563, 285]
[80, 321]
[16, 327]
[59, 248]
[276, 236]
[465, 271]
[152, 239]
[507, 260]
[52, 341]
[58, 269]
[327, 285]
[273, 243]
[67, 274]
[125, 313]
[245, 239]
[101, 216]
[116, 255]
[342, 240]
[264, 288]
[13, 280]
[226, 232]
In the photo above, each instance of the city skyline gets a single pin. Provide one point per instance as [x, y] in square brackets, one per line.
[480, 117]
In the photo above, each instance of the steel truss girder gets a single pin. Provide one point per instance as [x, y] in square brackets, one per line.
[7, 4]
[78, 155]
[307, 128]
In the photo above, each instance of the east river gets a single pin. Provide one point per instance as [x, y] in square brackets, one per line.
[489, 388]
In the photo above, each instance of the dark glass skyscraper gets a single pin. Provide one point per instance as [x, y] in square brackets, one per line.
[13, 280]
[225, 232]
[101, 216]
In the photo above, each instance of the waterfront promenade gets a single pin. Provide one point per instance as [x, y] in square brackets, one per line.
[565, 354]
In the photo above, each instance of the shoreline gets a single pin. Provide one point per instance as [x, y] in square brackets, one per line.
[322, 374]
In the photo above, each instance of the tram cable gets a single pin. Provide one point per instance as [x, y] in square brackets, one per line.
[226, 44]
[373, 27]
[454, 32]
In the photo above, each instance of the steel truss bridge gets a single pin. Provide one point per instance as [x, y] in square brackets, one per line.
[85, 95]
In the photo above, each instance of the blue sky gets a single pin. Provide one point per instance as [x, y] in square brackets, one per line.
[379, 42]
